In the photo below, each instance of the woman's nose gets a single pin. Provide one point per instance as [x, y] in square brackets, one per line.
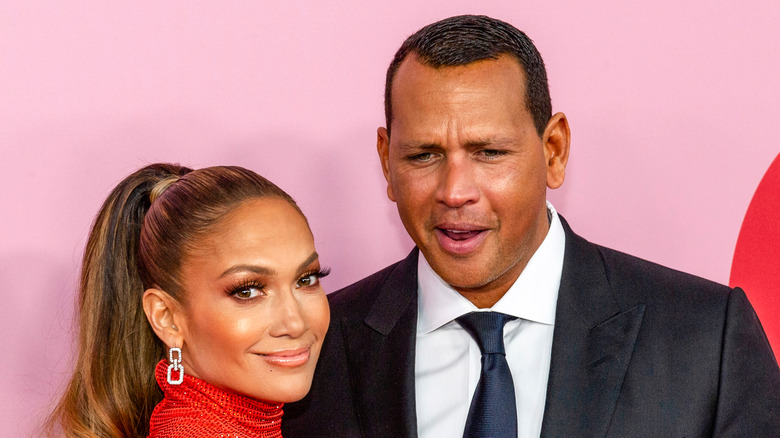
[288, 317]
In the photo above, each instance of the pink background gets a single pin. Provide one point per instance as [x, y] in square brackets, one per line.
[673, 108]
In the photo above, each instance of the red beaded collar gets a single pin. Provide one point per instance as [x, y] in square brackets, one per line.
[197, 409]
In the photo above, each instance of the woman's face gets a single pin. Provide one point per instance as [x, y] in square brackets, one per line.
[254, 314]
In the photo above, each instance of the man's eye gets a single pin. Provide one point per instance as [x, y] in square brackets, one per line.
[422, 158]
[491, 153]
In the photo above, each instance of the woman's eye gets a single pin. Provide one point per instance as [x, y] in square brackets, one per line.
[247, 292]
[308, 280]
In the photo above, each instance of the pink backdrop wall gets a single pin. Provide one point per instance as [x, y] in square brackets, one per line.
[673, 108]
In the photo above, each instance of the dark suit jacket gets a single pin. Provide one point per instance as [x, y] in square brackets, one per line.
[638, 350]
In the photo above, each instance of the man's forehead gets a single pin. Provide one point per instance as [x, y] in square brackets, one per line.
[419, 87]
[417, 77]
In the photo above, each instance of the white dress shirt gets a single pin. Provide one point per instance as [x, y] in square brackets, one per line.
[447, 359]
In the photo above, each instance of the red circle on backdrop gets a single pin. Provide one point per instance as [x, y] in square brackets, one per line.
[756, 265]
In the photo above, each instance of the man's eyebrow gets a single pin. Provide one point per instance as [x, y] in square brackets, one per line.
[262, 270]
[477, 142]
[492, 141]
[418, 145]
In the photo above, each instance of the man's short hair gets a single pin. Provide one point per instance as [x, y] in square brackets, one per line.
[465, 39]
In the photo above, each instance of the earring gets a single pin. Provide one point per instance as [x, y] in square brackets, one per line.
[175, 366]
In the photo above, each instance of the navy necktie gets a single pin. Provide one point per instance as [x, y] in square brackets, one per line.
[492, 412]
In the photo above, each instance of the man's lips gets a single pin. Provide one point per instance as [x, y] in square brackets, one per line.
[460, 234]
[287, 358]
[460, 239]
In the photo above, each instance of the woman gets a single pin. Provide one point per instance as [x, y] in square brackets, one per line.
[204, 284]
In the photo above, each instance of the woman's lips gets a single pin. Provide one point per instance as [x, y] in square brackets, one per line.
[460, 240]
[287, 358]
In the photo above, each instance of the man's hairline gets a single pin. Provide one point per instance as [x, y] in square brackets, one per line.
[429, 64]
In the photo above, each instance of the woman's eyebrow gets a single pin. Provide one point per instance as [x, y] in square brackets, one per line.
[314, 256]
[262, 270]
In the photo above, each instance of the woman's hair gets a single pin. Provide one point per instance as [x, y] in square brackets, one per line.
[149, 223]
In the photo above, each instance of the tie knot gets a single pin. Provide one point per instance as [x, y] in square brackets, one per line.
[487, 328]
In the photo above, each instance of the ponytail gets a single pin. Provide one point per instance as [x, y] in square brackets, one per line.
[113, 391]
[151, 220]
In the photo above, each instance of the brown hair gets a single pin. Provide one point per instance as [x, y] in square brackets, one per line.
[149, 223]
[464, 39]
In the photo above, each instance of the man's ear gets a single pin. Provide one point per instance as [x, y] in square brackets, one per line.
[556, 140]
[163, 314]
[383, 149]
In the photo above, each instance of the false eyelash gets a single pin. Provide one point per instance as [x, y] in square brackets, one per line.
[319, 273]
[232, 290]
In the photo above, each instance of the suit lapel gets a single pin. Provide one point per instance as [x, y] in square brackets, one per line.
[592, 346]
[380, 355]
[593, 342]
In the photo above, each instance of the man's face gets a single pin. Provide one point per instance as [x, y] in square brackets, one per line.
[469, 171]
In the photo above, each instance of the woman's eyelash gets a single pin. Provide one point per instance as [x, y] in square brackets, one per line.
[243, 285]
[319, 273]
[246, 285]
[311, 278]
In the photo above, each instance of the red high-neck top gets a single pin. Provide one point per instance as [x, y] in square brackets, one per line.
[197, 409]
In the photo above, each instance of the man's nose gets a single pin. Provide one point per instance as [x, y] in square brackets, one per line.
[457, 182]
[288, 316]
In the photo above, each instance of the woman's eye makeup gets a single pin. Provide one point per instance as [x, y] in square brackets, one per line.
[249, 289]
[246, 290]
[312, 278]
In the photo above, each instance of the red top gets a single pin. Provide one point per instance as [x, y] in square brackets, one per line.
[198, 409]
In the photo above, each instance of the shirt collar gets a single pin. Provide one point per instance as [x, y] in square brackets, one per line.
[533, 296]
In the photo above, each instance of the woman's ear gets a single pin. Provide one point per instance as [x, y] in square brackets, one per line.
[163, 312]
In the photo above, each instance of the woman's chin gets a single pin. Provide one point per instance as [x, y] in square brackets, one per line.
[283, 392]
[294, 394]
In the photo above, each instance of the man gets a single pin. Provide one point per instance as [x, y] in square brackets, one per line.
[591, 342]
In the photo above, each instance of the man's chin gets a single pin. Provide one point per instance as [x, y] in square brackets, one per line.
[461, 276]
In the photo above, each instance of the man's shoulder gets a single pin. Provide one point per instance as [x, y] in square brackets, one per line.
[634, 279]
[359, 297]
[631, 273]
[623, 265]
